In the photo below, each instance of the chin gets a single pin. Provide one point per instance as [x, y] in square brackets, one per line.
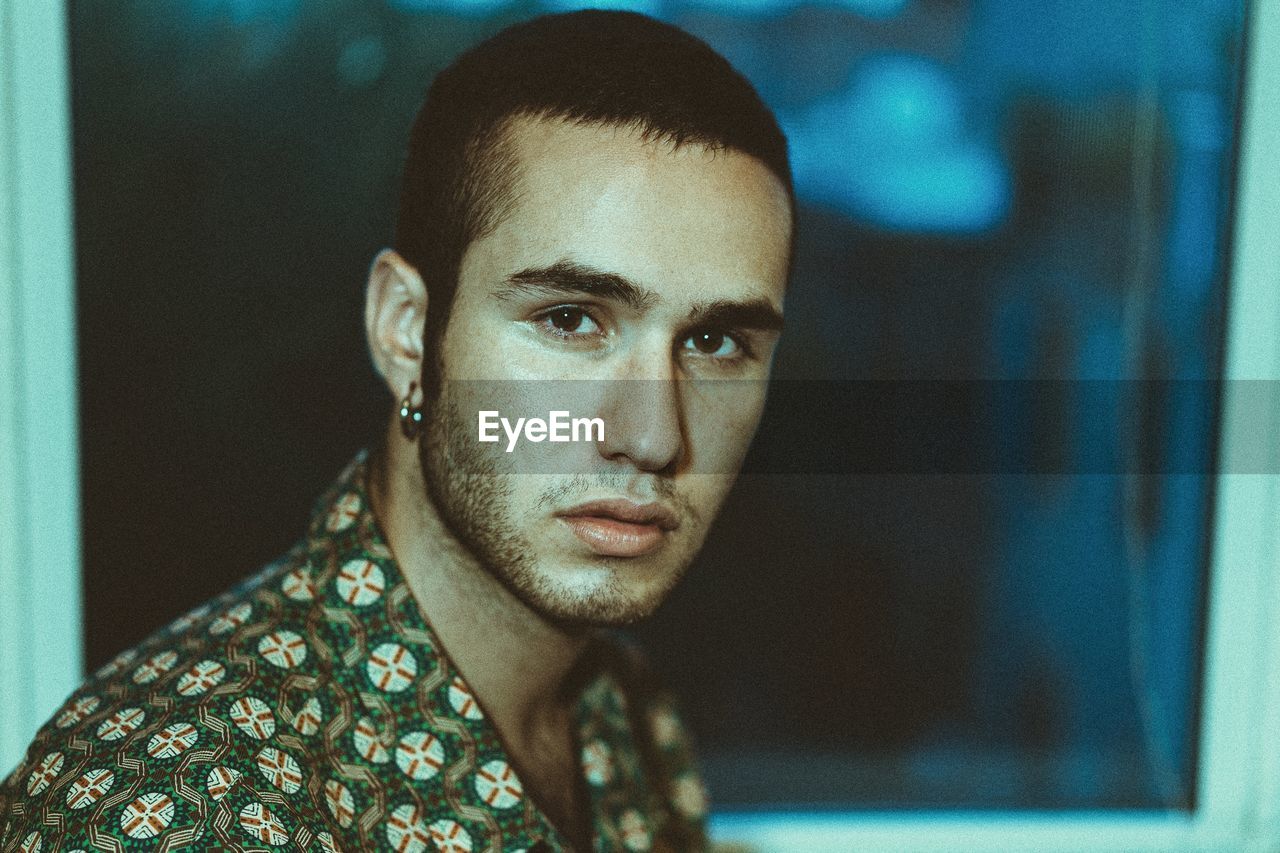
[596, 596]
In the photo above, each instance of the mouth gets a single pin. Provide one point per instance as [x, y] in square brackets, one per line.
[620, 528]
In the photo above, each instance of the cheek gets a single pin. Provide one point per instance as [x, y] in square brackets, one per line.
[721, 421]
[705, 494]
[473, 339]
[523, 493]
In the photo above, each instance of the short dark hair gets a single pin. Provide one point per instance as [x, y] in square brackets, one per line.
[590, 67]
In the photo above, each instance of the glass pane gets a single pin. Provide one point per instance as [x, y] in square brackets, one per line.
[1016, 208]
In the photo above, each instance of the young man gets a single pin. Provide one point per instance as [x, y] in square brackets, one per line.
[596, 218]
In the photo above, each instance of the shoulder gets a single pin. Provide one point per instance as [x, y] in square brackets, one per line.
[198, 732]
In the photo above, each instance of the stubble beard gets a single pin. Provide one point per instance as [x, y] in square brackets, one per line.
[472, 498]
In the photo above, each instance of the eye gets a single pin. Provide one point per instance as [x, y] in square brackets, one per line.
[713, 343]
[568, 321]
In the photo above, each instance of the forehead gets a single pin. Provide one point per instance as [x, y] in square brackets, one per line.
[690, 223]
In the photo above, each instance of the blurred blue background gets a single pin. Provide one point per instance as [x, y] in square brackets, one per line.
[994, 190]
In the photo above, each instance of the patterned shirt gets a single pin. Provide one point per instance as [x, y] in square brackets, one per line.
[313, 708]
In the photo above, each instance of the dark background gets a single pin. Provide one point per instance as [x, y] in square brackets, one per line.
[994, 190]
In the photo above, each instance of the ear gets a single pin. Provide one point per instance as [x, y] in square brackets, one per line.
[395, 314]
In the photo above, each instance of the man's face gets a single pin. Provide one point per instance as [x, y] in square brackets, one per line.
[629, 282]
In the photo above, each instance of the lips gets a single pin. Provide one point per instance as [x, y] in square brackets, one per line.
[620, 528]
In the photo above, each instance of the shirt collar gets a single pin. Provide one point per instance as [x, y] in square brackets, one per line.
[375, 624]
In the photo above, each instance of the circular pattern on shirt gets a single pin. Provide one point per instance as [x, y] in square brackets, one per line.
[220, 780]
[343, 514]
[634, 831]
[337, 797]
[299, 585]
[90, 788]
[280, 769]
[45, 773]
[497, 785]
[258, 822]
[31, 844]
[201, 677]
[420, 755]
[597, 762]
[147, 816]
[360, 582]
[155, 666]
[449, 837]
[172, 741]
[407, 832]
[367, 744]
[327, 844]
[76, 711]
[666, 728]
[462, 700]
[252, 716]
[284, 649]
[232, 618]
[391, 668]
[308, 719]
[121, 723]
[689, 796]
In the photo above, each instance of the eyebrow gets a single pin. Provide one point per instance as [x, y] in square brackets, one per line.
[756, 314]
[573, 278]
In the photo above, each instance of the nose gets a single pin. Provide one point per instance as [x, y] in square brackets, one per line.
[643, 415]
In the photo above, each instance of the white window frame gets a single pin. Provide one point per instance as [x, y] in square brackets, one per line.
[41, 657]
[41, 660]
[1238, 785]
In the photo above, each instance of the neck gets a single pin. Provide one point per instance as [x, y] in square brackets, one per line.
[519, 664]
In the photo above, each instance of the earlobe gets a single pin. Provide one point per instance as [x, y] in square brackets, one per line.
[395, 316]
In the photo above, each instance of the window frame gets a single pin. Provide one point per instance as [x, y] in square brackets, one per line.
[1238, 805]
[41, 650]
[1238, 774]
